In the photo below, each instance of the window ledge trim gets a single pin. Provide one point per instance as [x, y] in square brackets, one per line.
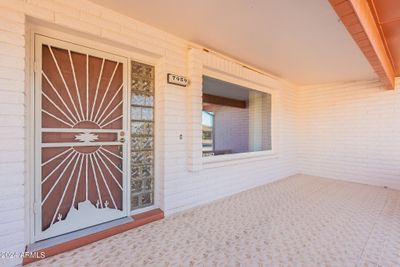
[225, 160]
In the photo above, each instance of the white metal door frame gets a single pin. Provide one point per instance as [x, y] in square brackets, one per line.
[39, 40]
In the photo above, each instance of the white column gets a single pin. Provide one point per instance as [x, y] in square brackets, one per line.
[194, 109]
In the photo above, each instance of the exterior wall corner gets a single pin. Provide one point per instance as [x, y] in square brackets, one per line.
[194, 107]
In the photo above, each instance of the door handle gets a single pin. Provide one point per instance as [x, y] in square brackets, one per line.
[121, 136]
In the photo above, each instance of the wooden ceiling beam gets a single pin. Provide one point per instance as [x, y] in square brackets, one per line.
[358, 18]
[223, 101]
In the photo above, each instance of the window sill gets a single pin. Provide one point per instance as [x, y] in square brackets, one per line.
[233, 159]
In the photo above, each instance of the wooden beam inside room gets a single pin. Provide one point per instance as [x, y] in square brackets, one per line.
[359, 19]
[223, 101]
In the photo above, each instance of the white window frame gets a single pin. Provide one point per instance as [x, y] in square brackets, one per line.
[229, 159]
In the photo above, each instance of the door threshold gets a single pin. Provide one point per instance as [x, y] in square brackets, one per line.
[60, 244]
[54, 241]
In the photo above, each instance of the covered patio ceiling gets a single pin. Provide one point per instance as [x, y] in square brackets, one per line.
[300, 41]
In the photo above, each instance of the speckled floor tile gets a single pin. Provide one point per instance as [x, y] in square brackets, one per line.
[298, 221]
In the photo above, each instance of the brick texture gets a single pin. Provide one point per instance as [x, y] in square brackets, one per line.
[181, 180]
[231, 129]
[350, 131]
[12, 142]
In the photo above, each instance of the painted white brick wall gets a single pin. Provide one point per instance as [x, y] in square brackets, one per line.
[184, 183]
[350, 131]
[345, 131]
[12, 128]
[186, 188]
[231, 129]
[193, 100]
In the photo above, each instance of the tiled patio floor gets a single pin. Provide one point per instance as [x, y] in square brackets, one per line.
[298, 221]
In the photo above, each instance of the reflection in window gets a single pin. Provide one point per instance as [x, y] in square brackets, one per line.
[208, 131]
[235, 119]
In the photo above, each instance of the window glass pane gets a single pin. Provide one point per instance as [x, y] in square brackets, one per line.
[235, 119]
[138, 99]
[147, 114]
[149, 101]
[142, 128]
[136, 113]
[136, 186]
[208, 125]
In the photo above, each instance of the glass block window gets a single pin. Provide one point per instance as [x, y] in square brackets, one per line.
[142, 139]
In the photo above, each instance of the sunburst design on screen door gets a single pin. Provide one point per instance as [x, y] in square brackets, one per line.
[81, 140]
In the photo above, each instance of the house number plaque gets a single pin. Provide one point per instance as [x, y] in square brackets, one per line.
[177, 80]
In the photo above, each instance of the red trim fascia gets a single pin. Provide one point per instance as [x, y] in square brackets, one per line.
[358, 18]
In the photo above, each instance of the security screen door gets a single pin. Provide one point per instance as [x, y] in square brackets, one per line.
[80, 132]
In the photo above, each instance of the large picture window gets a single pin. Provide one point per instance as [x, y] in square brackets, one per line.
[235, 119]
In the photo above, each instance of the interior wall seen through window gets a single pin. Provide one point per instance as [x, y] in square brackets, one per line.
[235, 119]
